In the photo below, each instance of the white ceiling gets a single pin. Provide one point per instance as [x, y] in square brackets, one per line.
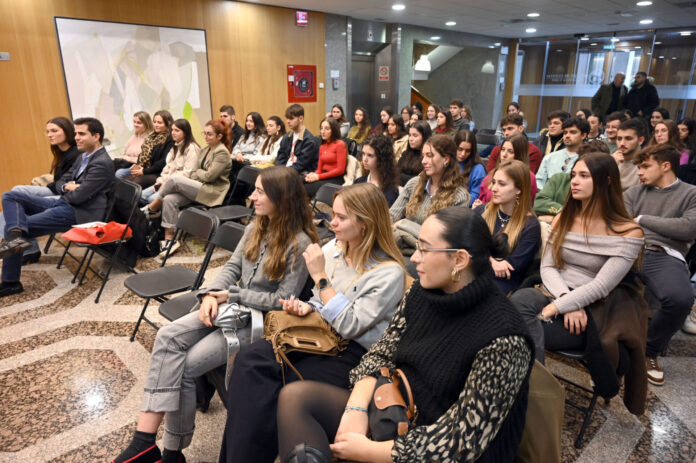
[558, 17]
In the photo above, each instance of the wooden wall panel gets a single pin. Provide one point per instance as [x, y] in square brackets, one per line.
[249, 47]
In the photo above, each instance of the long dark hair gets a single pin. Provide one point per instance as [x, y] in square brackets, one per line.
[364, 126]
[673, 132]
[341, 119]
[607, 201]
[270, 140]
[66, 125]
[259, 128]
[166, 117]
[690, 141]
[335, 130]
[390, 112]
[384, 152]
[184, 126]
[520, 146]
[468, 165]
[285, 189]
[449, 122]
[400, 127]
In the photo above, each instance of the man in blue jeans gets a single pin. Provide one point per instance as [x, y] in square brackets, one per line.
[84, 196]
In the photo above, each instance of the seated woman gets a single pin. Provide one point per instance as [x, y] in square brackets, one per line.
[207, 184]
[181, 160]
[384, 116]
[593, 243]
[60, 132]
[361, 129]
[142, 127]
[437, 187]
[431, 116]
[415, 117]
[462, 347]
[254, 136]
[470, 164]
[467, 116]
[410, 163]
[687, 135]
[340, 116]
[266, 266]
[331, 165]
[398, 134]
[445, 123]
[510, 212]
[275, 129]
[667, 132]
[514, 147]
[378, 164]
[155, 149]
[360, 280]
[406, 113]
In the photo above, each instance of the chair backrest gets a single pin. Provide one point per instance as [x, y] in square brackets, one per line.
[124, 201]
[326, 193]
[198, 223]
[228, 235]
[351, 146]
[246, 175]
[487, 131]
[486, 139]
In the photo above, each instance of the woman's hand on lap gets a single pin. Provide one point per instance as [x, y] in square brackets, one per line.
[295, 306]
[575, 321]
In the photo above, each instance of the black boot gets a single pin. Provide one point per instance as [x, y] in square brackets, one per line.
[305, 454]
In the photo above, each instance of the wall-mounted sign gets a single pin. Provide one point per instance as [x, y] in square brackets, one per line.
[302, 84]
[383, 73]
[301, 18]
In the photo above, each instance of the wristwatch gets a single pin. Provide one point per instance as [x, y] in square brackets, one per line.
[323, 284]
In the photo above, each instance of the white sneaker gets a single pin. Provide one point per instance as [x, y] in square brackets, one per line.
[149, 213]
[690, 323]
[175, 247]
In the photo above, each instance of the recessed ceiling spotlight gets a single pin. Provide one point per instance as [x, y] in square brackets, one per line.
[533, 15]
[497, 44]
[674, 57]
[451, 23]
[435, 37]
[626, 15]
[584, 38]
[559, 50]
[658, 43]
[491, 46]
[661, 57]
[593, 44]
[398, 6]
[614, 39]
[646, 21]
[685, 33]
[644, 3]
[530, 30]
[638, 47]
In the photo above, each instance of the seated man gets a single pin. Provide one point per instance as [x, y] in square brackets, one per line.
[84, 193]
[575, 131]
[666, 209]
[611, 129]
[513, 124]
[630, 138]
[298, 149]
[551, 138]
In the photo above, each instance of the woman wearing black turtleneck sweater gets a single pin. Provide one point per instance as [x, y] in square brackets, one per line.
[462, 347]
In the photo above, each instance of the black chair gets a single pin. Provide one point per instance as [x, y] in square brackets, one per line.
[325, 195]
[486, 139]
[159, 283]
[125, 202]
[487, 131]
[351, 147]
[227, 236]
[246, 176]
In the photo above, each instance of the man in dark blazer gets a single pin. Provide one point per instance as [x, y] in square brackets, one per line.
[84, 193]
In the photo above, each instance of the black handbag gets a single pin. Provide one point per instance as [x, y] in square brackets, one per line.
[391, 412]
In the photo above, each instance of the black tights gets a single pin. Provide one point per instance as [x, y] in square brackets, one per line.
[309, 412]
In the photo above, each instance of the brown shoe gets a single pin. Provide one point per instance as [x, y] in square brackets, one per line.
[655, 374]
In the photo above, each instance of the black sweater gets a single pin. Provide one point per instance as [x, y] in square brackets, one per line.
[159, 157]
[66, 162]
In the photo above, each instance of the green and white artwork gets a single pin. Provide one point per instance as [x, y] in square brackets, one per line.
[113, 70]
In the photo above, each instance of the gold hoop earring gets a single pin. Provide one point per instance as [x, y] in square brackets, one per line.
[456, 276]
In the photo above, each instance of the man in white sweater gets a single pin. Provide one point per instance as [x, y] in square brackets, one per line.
[666, 209]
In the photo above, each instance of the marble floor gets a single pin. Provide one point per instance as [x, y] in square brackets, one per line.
[71, 381]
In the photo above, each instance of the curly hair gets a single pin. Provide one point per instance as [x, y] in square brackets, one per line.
[384, 152]
[444, 146]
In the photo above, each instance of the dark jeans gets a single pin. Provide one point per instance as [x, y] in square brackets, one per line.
[35, 216]
[552, 336]
[668, 279]
[251, 430]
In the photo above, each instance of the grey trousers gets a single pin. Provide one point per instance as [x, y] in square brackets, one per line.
[177, 192]
[183, 350]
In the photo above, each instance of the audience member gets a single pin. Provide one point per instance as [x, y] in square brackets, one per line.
[642, 99]
[667, 132]
[666, 209]
[142, 127]
[384, 115]
[415, 117]
[340, 116]
[468, 117]
[445, 124]
[610, 97]
[510, 212]
[583, 113]
[630, 138]
[687, 134]
[362, 128]
[658, 115]
[181, 160]
[331, 165]
[455, 110]
[379, 168]
[406, 113]
[611, 129]
[510, 125]
[398, 134]
[551, 139]
[359, 280]
[417, 106]
[153, 160]
[431, 116]
[514, 147]
[574, 132]
[227, 115]
[251, 141]
[512, 108]
[208, 184]
[266, 266]
[470, 163]
[298, 148]
[462, 347]
[596, 132]
[266, 157]
[410, 163]
[84, 191]
[593, 243]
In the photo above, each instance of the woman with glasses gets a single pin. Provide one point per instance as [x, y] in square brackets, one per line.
[462, 347]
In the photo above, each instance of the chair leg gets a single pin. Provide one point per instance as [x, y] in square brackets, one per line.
[104, 280]
[48, 243]
[586, 421]
[140, 318]
[89, 262]
[62, 258]
[79, 268]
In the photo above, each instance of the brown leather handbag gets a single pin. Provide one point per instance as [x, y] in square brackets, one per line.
[392, 411]
[310, 334]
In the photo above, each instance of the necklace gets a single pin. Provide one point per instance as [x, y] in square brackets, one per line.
[503, 221]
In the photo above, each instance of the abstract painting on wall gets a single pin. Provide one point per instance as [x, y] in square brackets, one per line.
[113, 70]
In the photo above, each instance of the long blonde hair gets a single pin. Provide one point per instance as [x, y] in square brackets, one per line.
[518, 173]
[367, 202]
[450, 181]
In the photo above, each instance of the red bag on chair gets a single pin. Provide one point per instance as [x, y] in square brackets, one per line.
[98, 233]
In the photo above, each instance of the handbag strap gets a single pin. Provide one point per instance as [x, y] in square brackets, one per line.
[411, 412]
[285, 360]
